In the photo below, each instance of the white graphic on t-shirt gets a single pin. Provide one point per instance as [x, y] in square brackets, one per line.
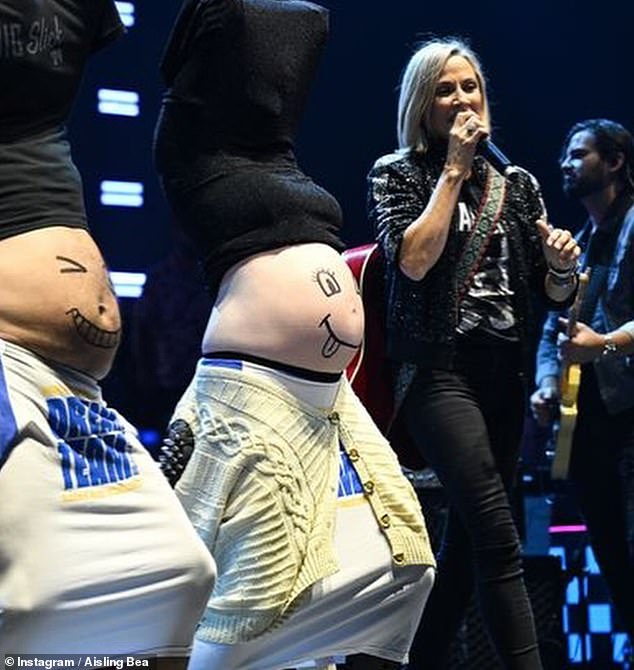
[43, 35]
[465, 220]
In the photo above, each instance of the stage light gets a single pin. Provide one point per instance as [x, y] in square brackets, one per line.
[126, 12]
[118, 103]
[121, 193]
[128, 284]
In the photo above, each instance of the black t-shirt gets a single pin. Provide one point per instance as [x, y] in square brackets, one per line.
[487, 305]
[240, 73]
[44, 45]
[247, 66]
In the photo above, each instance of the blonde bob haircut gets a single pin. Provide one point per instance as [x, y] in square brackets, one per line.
[418, 89]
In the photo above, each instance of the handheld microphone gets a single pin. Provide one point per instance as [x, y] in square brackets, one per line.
[494, 156]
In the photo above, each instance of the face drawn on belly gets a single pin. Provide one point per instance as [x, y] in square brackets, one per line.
[88, 331]
[91, 334]
[333, 343]
[327, 281]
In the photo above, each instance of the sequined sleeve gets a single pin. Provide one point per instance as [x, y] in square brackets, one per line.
[535, 209]
[396, 197]
[524, 205]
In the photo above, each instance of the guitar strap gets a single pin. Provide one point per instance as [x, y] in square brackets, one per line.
[486, 220]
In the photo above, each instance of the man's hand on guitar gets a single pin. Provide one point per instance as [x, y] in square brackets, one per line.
[545, 401]
[583, 346]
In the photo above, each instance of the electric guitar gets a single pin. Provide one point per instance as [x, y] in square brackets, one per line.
[569, 391]
[370, 372]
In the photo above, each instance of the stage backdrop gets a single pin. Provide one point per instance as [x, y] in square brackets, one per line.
[549, 64]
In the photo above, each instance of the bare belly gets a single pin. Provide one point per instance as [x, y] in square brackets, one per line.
[56, 299]
[299, 305]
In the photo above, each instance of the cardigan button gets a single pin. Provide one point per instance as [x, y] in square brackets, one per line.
[368, 486]
[385, 521]
[334, 418]
[399, 559]
[353, 455]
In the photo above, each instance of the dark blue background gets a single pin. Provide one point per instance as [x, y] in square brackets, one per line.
[549, 63]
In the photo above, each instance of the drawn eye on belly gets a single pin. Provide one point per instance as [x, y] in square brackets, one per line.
[327, 282]
[72, 265]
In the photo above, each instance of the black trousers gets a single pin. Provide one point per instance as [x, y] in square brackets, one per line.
[468, 424]
[602, 474]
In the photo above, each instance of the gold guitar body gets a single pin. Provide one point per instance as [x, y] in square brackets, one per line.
[570, 380]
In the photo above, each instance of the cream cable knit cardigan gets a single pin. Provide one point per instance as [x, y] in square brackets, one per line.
[261, 491]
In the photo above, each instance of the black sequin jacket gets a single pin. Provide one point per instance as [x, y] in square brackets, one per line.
[421, 316]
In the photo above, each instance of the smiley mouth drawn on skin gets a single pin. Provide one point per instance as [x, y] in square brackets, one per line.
[98, 337]
[333, 343]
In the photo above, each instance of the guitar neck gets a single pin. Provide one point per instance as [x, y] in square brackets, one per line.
[573, 312]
